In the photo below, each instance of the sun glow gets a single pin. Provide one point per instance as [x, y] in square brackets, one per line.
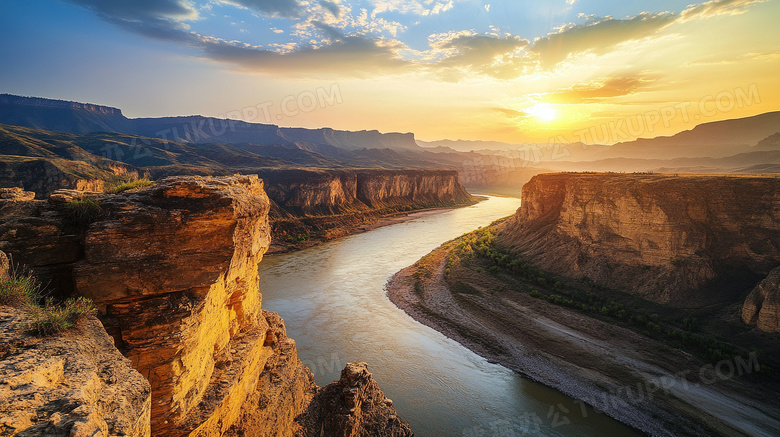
[543, 111]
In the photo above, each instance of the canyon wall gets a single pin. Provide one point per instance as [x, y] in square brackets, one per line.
[664, 237]
[173, 271]
[320, 192]
[311, 205]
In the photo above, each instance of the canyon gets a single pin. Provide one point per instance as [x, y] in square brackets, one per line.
[173, 271]
[610, 286]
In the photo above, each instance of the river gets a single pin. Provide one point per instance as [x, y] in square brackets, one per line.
[334, 304]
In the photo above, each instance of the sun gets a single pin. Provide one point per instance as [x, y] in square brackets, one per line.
[543, 111]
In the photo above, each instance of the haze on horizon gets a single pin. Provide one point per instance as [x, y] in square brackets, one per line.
[497, 70]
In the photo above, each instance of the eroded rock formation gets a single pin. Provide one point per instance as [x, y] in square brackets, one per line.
[762, 306]
[76, 385]
[173, 271]
[354, 405]
[658, 235]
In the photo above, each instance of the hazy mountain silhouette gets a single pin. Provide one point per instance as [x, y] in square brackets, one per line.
[82, 118]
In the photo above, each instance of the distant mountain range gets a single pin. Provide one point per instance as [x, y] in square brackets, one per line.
[83, 118]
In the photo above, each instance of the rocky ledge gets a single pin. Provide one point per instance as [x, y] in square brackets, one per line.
[173, 270]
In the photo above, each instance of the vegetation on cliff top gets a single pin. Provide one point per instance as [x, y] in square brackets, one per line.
[21, 289]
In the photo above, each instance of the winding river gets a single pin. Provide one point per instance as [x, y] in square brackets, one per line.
[333, 301]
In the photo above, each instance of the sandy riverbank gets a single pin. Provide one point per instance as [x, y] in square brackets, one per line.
[632, 378]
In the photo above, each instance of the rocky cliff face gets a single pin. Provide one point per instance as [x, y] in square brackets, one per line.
[173, 271]
[75, 384]
[660, 236]
[318, 192]
[762, 306]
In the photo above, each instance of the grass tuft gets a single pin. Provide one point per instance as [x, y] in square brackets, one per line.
[22, 290]
[131, 185]
[83, 211]
[50, 318]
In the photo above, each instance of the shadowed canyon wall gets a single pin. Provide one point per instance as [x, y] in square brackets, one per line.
[173, 271]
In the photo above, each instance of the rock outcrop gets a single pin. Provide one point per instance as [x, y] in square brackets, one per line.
[173, 271]
[76, 384]
[762, 306]
[354, 405]
[658, 235]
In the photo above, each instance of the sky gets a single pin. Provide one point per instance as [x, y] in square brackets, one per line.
[515, 71]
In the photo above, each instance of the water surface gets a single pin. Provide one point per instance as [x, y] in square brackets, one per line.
[334, 303]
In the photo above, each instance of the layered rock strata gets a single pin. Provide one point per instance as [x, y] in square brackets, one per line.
[660, 236]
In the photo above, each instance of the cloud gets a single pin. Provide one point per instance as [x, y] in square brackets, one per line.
[422, 8]
[597, 90]
[467, 49]
[717, 7]
[510, 113]
[272, 8]
[332, 7]
[468, 52]
[597, 36]
[351, 55]
[140, 9]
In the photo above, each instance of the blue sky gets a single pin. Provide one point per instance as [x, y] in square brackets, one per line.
[395, 62]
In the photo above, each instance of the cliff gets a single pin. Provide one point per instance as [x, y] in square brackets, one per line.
[664, 237]
[762, 306]
[77, 384]
[173, 271]
[314, 205]
[313, 192]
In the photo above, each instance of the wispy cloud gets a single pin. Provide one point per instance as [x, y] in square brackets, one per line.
[593, 91]
[598, 35]
[717, 7]
[273, 8]
[422, 8]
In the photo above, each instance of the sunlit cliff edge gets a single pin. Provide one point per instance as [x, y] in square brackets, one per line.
[173, 270]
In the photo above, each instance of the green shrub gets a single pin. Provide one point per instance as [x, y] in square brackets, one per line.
[83, 211]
